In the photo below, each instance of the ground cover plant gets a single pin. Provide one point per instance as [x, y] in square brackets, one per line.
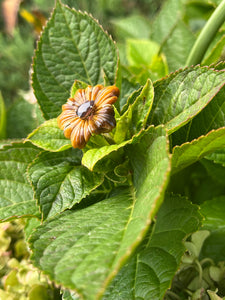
[136, 209]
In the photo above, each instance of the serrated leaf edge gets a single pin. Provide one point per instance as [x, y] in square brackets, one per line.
[194, 141]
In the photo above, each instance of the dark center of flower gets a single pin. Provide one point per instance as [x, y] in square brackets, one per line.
[85, 109]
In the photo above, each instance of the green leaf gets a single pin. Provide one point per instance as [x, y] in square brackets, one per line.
[30, 227]
[183, 94]
[107, 158]
[60, 181]
[93, 158]
[166, 20]
[126, 90]
[8, 142]
[16, 194]
[198, 12]
[72, 47]
[83, 249]
[215, 53]
[123, 130]
[149, 273]
[151, 149]
[136, 115]
[141, 52]
[215, 170]
[213, 295]
[69, 295]
[131, 97]
[134, 26]
[196, 182]
[190, 152]
[142, 107]
[145, 60]
[96, 141]
[211, 117]
[50, 137]
[121, 174]
[2, 118]
[76, 86]
[213, 212]
[178, 46]
[218, 157]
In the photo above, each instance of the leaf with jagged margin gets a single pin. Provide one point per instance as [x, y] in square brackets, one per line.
[150, 271]
[60, 181]
[73, 46]
[30, 226]
[16, 194]
[211, 117]
[8, 142]
[3, 143]
[166, 20]
[190, 152]
[107, 158]
[84, 248]
[136, 115]
[213, 212]
[50, 137]
[183, 94]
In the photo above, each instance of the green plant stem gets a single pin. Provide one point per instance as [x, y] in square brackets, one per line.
[207, 260]
[206, 36]
[173, 295]
[2, 118]
[199, 268]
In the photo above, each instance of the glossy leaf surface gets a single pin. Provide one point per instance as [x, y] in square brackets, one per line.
[84, 248]
[60, 181]
[183, 94]
[72, 47]
[190, 152]
[149, 272]
[49, 137]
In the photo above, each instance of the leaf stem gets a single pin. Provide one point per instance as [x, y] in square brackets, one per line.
[206, 36]
[173, 295]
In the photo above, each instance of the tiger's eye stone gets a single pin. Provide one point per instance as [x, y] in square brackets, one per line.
[84, 110]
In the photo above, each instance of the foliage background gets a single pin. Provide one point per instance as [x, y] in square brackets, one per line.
[126, 21]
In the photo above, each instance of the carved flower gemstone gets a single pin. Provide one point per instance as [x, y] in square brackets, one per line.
[89, 112]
